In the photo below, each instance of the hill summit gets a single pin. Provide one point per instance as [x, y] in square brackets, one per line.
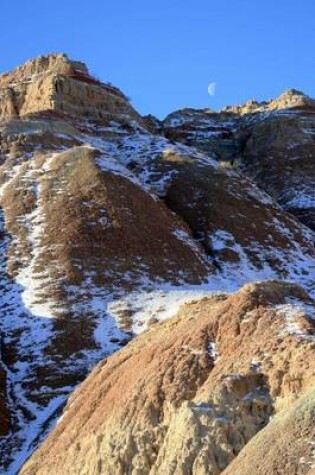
[56, 83]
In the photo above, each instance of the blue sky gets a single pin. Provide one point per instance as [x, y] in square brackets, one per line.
[164, 54]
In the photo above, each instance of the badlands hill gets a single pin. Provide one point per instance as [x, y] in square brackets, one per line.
[109, 222]
[189, 395]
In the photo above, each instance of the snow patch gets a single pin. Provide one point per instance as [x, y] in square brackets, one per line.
[292, 311]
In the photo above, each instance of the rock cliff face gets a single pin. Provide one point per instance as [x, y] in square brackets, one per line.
[272, 142]
[54, 83]
[279, 156]
[285, 446]
[219, 134]
[189, 394]
[109, 222]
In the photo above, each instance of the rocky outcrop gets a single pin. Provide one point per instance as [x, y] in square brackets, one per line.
[54, 83]
[224, 134]
[273, 142]
[188, 395]
[284, 447]
[279, 156]
[218, 134]
[289, 99]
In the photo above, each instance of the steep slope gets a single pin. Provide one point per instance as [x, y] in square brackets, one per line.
[78, 230]
[273, 141]
[234, 222]
[108, 226]
[186, 396]
[209, 131]
[79, 234]
[279, 155]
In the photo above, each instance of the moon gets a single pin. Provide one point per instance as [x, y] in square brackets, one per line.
[211, 88]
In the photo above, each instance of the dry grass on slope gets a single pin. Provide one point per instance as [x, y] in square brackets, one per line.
[236, 223]
[103, 227]
[116, 224]
[93, 225]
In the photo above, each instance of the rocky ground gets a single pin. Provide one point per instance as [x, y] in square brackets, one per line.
[109, 223]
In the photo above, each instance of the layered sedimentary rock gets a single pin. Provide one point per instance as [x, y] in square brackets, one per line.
[78, 231]
[289, 99]
[189, 394]
[285, 446]
[54, 83]
[110, 221]
[273, 142]
[279, 155]
[209, 131]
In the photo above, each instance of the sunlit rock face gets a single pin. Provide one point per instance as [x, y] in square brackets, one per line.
[189, 395]
[110, 221]
[55, 83]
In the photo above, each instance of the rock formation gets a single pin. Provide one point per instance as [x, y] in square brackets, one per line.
[54, 83]
[272, 142]
[188, 395]
[109, 222]
[285, 446]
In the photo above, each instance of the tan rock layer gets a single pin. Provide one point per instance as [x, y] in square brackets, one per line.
[285, 447]
[55, 83]
[168, 404]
